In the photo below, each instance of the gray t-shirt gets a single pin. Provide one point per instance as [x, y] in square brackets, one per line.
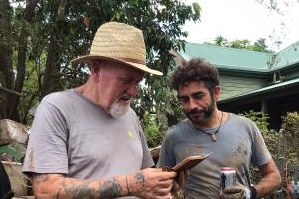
[73, 136]
[239, 143]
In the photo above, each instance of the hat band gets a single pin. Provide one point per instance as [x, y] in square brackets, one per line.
[137, 61]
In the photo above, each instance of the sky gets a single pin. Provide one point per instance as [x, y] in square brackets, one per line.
[244, 19]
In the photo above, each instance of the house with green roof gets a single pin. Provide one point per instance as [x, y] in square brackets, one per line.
[250, 80]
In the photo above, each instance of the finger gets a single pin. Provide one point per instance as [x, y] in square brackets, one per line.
[167, 175]
[165, 183]
[160, 169]
[232, 190]
[163, 193]
[172, 174]
[166, 168]
[164, 190]
[232, 195]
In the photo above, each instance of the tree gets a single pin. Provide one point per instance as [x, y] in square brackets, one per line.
[221, 41]
[9, 106]
[259, 45]
[39, 38]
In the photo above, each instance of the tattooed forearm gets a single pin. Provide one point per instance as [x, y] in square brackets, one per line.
[60, 187]
[110, 189]
[79, 191]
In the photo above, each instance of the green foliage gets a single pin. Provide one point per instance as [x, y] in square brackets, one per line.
[259, 45]
[290, 126]
[288, 147]
[283, 146]
[153, 133]
[269, 135]
[31, 93]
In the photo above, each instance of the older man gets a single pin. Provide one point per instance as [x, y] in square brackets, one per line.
[87, 142]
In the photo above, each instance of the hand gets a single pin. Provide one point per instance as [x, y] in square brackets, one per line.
[152, 183]
[236, 192]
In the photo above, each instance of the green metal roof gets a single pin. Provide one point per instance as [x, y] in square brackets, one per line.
[288, 56]
[241, 59]
[223, 57]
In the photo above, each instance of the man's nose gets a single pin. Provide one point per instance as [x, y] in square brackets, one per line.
[192, 104]
[133, 89]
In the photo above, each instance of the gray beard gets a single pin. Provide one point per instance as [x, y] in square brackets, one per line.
[118, 109]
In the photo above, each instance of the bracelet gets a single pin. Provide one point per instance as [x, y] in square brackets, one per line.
[253, 193]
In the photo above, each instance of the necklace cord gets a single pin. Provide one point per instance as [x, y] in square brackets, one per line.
[213, 135]
[219, 123]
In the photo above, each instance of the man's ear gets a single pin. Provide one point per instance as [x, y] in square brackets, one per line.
[217, 92]
[94, 71]
[94, 67]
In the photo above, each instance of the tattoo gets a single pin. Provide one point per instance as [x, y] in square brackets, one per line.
[80, 191]
[83, 190]
[110, 189]
[140, 178]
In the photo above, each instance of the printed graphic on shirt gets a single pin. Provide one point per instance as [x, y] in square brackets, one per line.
[131, 135]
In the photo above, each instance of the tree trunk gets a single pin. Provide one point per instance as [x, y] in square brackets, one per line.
[22, 46]
[52, 71]
[6, 68]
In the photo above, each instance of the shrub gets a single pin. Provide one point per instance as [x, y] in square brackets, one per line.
[154, 135]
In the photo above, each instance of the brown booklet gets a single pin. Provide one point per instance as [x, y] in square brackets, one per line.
[188, 163]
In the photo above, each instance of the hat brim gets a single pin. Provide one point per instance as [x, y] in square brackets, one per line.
[88, 58]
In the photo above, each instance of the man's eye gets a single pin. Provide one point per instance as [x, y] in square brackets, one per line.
[130, 81]
[124, 79]
[198, 96]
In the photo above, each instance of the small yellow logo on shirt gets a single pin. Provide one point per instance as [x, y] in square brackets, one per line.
[131, 135]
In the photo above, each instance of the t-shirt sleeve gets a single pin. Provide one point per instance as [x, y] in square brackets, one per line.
[147, 160]
[47, 146]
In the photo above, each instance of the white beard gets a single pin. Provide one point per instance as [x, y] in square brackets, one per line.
[118, 109]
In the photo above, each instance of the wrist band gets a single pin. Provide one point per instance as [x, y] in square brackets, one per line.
[253, 194]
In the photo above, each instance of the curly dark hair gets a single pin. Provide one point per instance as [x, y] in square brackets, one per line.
[196, 69]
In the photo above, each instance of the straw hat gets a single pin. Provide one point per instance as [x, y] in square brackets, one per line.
[121, 43]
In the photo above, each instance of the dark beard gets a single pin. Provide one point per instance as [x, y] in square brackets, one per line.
[206, 114]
